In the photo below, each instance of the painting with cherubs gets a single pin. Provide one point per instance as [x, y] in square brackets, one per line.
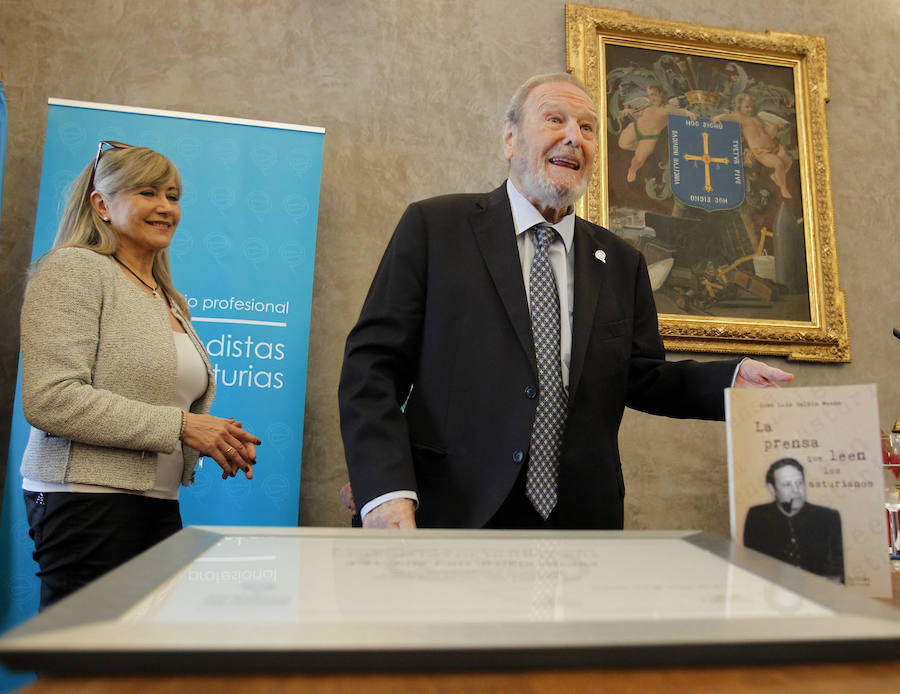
[733, 243]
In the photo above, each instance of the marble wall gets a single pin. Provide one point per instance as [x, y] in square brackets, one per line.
[411, 93]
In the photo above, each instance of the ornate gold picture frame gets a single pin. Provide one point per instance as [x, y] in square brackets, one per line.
[713, 160]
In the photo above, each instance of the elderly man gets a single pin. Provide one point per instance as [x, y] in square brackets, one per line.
[500, 341]
[790, 529]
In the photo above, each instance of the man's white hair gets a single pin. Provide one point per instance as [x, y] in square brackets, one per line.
[514, 110]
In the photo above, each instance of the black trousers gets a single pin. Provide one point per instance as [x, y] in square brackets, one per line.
[80, 536]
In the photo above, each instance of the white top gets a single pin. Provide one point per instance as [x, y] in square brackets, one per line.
[190, 384]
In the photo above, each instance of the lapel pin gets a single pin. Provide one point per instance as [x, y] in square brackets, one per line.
[601, 256]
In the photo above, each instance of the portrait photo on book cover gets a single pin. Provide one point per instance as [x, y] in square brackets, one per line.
[804, 474]
[792, 529]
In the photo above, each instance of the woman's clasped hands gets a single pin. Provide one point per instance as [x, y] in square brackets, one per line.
[223, 440]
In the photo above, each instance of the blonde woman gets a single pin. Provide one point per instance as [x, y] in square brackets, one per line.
[115, 382]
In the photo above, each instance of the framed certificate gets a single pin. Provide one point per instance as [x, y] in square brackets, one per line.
[304, 599]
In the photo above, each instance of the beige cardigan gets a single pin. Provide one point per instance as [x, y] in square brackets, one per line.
[98, 374]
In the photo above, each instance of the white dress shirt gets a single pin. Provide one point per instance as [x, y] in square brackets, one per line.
[562, 262]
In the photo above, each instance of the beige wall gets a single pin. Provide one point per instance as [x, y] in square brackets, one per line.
[411, 93]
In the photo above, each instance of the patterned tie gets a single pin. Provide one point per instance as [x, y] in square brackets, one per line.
[542, 479]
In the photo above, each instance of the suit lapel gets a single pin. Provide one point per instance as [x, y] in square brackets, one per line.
[590, 280]
[495, 235]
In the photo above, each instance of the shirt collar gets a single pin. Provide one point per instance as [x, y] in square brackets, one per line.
[525, 216]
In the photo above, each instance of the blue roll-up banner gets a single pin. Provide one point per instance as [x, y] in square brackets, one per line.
[243, 256]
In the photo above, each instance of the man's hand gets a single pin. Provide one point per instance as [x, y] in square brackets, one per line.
[756, 374]
[396, 513]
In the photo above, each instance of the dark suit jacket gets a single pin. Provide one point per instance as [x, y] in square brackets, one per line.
[447, 315]
[817, 530]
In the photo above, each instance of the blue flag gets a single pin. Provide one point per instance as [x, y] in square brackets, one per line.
[706, 163]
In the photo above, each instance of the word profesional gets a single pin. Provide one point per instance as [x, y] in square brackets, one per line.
[231, 303]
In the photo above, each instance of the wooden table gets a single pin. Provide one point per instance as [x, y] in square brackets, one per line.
[861, 678]
[815, 678]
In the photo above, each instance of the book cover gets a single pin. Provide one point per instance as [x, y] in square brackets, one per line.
[805, 480]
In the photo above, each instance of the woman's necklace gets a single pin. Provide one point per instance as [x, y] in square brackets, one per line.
[153, 290]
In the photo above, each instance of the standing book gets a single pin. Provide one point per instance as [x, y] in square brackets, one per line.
[805, 480]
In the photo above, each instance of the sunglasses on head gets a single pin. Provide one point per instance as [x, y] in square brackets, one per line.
[110, 144]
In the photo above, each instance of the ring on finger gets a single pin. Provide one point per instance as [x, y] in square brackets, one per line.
[229, 450]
